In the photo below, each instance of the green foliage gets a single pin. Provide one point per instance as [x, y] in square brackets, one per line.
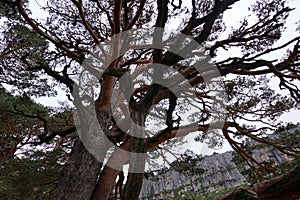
[187, 164]
[23, 52]
[19, 114]
[253, 96]
[30, 176]
[213, 195]
[33, 171]
[19, 122]
[292, 139]
[290, 136]
[27, 60]
[193, 195]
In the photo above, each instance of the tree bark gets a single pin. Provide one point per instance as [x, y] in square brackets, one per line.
[137, 157]
[79, 176]
[110, 172]
[105, 184]
[286, 186]
[134, 181]
[133, 186]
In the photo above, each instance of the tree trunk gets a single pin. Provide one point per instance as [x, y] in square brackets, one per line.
[286, 186]
[110, 172]
[105, 184]
[137, 157]
[79, 176]
[133, 186]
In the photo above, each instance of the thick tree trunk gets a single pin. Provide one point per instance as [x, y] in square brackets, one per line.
[79, 176]
[136, 167]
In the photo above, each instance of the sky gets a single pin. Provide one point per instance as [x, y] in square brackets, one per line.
[289, 33]
[231, 17]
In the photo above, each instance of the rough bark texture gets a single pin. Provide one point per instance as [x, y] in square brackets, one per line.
[134, 181]
[286, 186]
[79, 176]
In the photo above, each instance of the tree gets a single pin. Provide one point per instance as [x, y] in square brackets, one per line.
[59, 47]
[291, 138]
[19, 123]
[32, 176]
[26, 170]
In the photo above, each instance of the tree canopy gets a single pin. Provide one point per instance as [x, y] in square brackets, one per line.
[157, 76]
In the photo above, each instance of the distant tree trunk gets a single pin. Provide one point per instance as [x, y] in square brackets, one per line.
[79, 176]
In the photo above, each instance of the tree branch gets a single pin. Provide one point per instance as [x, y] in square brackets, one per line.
[35, 27]
[84, 21]
[137, 15]
[117, 17]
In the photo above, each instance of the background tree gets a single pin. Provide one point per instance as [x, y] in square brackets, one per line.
[32, 176]
[290, 135]
[28, 171]
[32, 50]
[16, 128]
